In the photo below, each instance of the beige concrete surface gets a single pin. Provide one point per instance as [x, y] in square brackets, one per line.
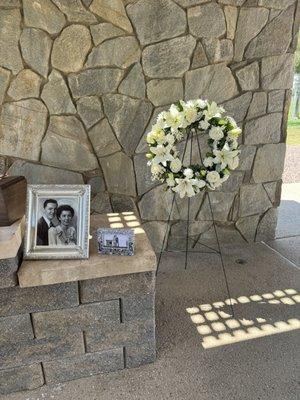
[204, 351]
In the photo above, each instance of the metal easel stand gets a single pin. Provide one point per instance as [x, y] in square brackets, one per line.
[191, 136]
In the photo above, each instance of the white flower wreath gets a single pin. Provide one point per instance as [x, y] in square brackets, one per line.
[196, 116]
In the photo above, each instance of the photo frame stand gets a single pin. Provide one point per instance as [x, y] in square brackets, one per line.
[192, 135]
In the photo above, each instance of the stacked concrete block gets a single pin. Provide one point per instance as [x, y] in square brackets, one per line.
[60, 332]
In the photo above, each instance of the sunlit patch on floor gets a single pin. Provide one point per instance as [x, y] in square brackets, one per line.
[218, 328]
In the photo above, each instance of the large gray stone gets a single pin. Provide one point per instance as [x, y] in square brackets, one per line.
[97, 184]
[189, 3]
[277, 72]
[10, 4]
[161, 92]
[128, 117]
[56, 95]
[121, 203]
[165, 20]
[157, 233]
[15, 328]
[28, 377]
[112, 11]
[41, 174]
[161, 60]
[277, 4]
[4, 81]
[238, 107]
[233, 183]
[248, 76]
[246, 157]
[221, 204]
[258, 105]
[214, 82]
[95, 81]
[273, 190]
[246, 31]
[90, 110]
[10, 57]
[101, 203]
[134, 83]
[75, 11]
[269, 162]
[143, 174]
[199, 57]
[247, 226]
[103, 139]
[36, 46]
[267, 225]
[22, 127]
[67, 55]
[231, 14]
[122, 181]
[218, 50]
[266, 129]
[104, 31]
[120, 52]
[43, 14]
[275, 38]
[233, 2]
[26, 84]
[276, 101]
[253, 200]
[66, 145]
[207, 20]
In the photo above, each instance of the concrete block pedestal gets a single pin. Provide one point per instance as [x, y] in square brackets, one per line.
[75, 318]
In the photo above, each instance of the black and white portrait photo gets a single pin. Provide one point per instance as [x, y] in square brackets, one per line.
[57, 221]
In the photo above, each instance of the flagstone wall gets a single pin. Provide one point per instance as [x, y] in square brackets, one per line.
[81, 82]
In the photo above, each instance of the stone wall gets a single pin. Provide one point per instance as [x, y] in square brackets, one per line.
[81, 82]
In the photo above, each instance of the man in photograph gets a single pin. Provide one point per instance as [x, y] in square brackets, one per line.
[46, 222]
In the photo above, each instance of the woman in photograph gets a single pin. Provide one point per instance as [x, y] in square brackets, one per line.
[63, 234]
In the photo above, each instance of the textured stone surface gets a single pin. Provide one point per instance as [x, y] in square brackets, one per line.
[75, 11]
[103, 139]
[23, 125]
[161, 61]
[247, 157]
[129, 129]
[67, 55]
[266, 129]
[56, 95]
[156, 231]
[273, 190]
[170, 20]
[10, 57]
[66, 145]
[247, 226]
[4, 81]
[41, 174]
[101, 203]
[268, 165]
[275, 38]
[26, 84]
[15, 328]
[276, 101]
[18, 300]
[97, 184]
[267, 225]
[246, 31]
[214, 82]
[258, 105]
[8, 271]
[277, 72]
[162, 92]
[36, 46]
[238, 107]
[231, 14]
[140, 355]
[90, 110]
[277, 4]
[112, 11]
[83, 366]
[94, 81]
[28, 377]
[123, 181]
[199, 57]
[218, 50]
[43, 14]
[253, 200]
[207, 20]
[248, 76]
[120, 52]
[134, 83]
[143, 174]
[121, 203]
[105, 31]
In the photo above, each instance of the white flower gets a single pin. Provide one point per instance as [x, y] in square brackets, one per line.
[199, 184]
[213, 111]
[170, 180]
[170, 139]
[232, 121]
[213, 178]
[174, 118]
[208, 162]
[225, 156]
[175, 165]
[190, 112]
[233, 144]
[157, 134]
[204, 125]
[233, 163]
[216, 133]
[184, 187]
[188, 172]
[157, 169]
[234, 133]
[200, 103]
[162, 154]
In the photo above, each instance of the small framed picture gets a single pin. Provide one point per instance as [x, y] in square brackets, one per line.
[57, 222]
[116, 241]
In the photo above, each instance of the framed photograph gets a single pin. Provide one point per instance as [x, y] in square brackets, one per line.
[116, 241]
[57, 222]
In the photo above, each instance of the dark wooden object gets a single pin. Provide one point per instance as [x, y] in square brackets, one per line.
[12, 199]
